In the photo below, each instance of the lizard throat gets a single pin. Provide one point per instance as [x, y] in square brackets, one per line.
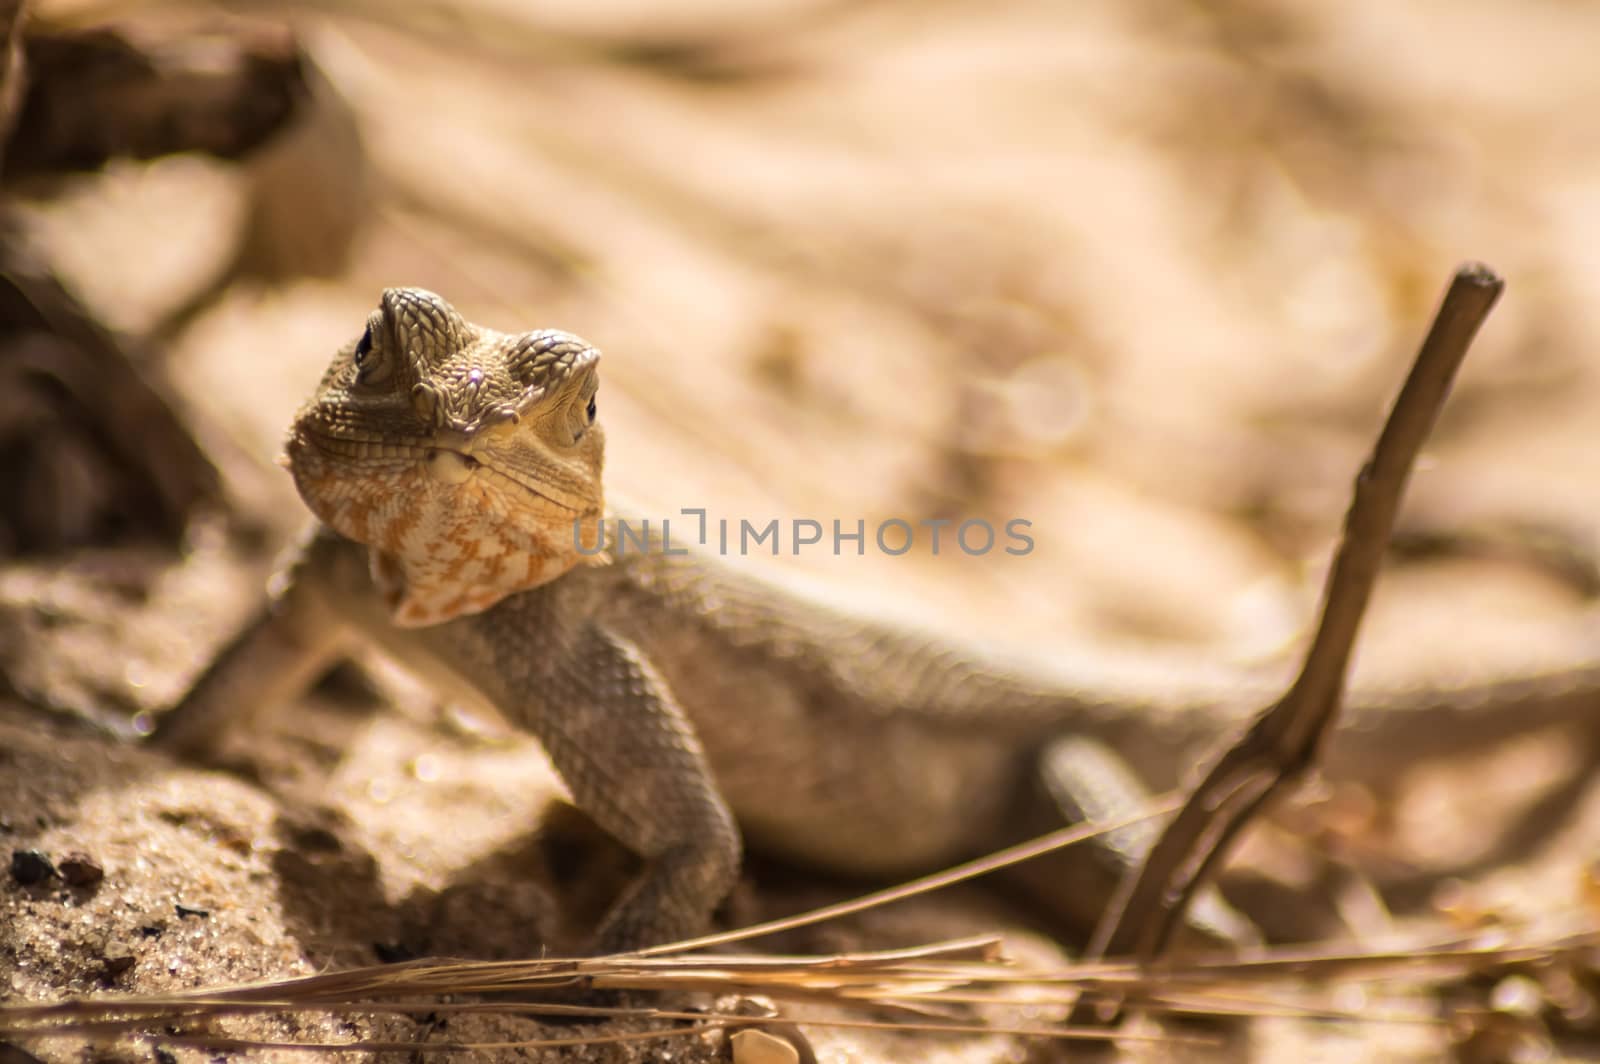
[448, 539]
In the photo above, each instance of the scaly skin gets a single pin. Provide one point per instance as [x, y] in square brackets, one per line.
[688, 703]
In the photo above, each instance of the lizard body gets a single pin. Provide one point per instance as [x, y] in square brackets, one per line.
[688, 703]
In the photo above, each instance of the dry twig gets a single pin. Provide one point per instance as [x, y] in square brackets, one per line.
[1283, 742]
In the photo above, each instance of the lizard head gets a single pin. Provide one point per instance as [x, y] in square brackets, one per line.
[467, 460]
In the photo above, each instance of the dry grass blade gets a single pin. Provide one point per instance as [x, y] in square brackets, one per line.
[1025, 851]
[891, 978]
[924, 984]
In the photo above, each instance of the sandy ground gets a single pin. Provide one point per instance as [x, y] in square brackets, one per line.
[1142, 276]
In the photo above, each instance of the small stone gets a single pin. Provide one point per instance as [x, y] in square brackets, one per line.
[80, 870]
[1519, 995]
[30, 866]
[114, 961]
[751, 1046]
[393, 952]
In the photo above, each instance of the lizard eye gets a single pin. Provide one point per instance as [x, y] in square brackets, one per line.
[371, 359]
[590, 410]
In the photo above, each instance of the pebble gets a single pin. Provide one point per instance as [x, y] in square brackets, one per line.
[30, 866]
[80, 870]
[751, 1046]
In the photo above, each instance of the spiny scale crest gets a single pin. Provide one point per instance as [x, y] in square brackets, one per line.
[462, 456]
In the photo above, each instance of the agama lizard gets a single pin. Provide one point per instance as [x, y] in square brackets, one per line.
[687, 703]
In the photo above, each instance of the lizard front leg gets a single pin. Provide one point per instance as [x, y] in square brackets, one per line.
[292, 638]
[624, 748]
[606, 718]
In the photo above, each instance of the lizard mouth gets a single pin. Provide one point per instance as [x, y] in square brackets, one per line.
[453, 467]
[449, 466]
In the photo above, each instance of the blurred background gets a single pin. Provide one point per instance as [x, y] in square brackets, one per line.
[1143, 274]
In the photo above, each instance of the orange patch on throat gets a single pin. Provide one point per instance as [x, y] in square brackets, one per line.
[446, 550]
[420, 594]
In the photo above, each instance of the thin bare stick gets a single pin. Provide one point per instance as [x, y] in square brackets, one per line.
[1284, 740]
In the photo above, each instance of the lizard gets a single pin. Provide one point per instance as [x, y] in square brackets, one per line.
[690, 705]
